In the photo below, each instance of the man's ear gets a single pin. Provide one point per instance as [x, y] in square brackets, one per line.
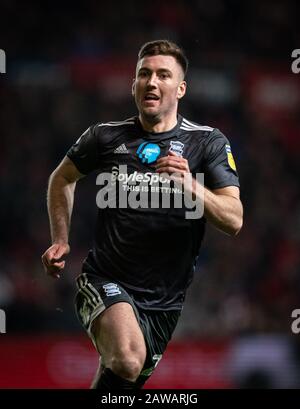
[133, 87]
[181, 89]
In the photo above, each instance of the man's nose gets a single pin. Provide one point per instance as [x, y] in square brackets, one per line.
[152, 80]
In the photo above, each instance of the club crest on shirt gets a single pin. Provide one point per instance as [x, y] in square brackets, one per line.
[230, 158]
[176, 147]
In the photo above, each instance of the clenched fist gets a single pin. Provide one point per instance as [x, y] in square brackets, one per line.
[52, 259]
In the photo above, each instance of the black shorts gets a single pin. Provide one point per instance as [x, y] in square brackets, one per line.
[96, 293]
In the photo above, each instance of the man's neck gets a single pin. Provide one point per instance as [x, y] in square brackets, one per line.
[158, 126]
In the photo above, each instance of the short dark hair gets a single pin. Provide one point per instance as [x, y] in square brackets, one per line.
[165, 47]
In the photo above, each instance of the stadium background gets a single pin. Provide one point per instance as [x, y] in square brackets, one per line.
[71, 66]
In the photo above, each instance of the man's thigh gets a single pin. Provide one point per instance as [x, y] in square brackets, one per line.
[117, 334]
[108, 314]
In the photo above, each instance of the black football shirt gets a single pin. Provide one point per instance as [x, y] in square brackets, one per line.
[151, 252]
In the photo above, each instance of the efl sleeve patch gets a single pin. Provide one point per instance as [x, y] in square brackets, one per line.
[230, 158]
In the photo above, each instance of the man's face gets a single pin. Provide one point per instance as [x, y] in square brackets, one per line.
[158, 86]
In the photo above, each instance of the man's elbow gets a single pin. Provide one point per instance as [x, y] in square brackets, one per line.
[237, 221]
[236, 227]
[58, 177]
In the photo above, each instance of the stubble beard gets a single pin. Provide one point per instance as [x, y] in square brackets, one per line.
[152, 118]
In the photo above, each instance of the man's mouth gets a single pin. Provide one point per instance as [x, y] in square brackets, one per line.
[151, 97]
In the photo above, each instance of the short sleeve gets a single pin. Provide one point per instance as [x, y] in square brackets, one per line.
[84, 153]
[219, 165]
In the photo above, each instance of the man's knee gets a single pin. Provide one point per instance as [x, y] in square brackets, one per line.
[120, 341]
[128, 365]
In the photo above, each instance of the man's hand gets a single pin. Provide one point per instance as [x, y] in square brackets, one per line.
[174, 165]
[52, 259]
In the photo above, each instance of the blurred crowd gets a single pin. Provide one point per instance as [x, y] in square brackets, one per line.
[63, 74]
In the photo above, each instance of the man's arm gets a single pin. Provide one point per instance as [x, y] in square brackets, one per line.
[60, 197]
[222, 207]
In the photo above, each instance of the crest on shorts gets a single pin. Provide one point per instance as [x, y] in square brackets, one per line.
[111, 289]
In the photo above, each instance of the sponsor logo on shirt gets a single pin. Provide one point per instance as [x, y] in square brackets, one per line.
[122, 189]
[137, 177]
[148, 152]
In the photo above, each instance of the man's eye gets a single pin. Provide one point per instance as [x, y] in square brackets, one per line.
[164, 76]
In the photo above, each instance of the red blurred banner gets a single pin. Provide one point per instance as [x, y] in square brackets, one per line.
[272, 91]
[71, 361]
